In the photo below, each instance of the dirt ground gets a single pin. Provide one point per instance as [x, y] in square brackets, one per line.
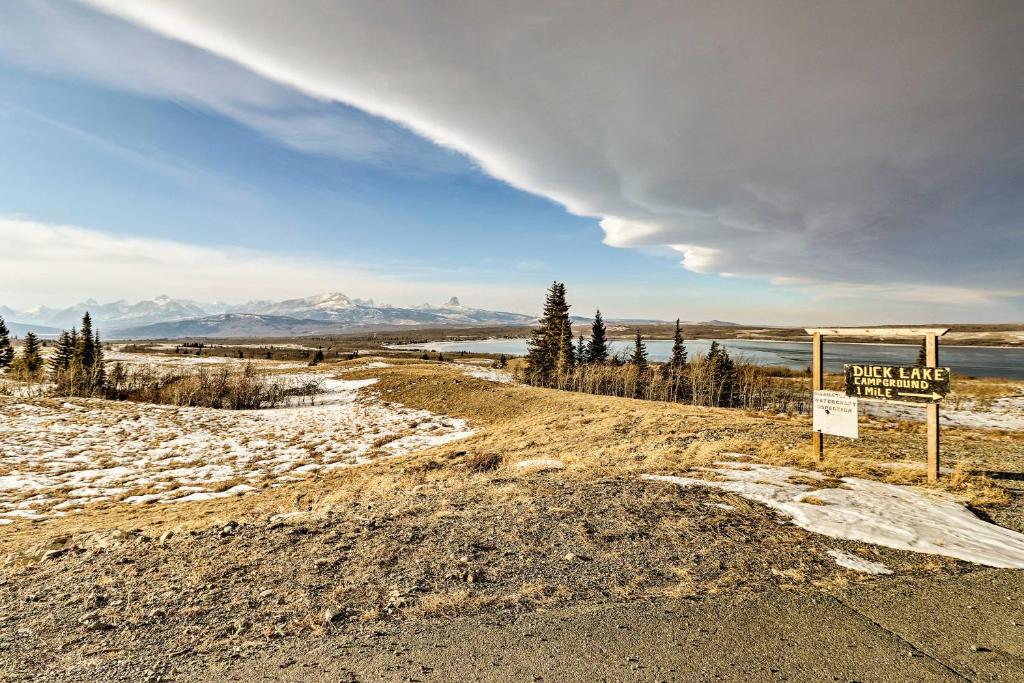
[461, 534]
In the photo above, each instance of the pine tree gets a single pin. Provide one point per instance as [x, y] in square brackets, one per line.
[597, 347]
[31, 361]
[639, 357]
[99, 371]
[546, 341]
[714, 350]
[60, 361]
[674, 370]
[581, 350]
[723, 375]
[678, 358]
[922, 356]
[6, 350]
[85, 351]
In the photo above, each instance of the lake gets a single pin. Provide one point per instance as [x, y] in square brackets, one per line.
[978, 361]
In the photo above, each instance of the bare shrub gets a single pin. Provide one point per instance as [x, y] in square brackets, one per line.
[232, 388]
[700, 382]
[483, 462]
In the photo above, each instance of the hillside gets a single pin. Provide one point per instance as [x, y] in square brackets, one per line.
[540, 517]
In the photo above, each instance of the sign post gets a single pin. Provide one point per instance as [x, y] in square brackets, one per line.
[817, 384]
[889, 382]
[931, 351]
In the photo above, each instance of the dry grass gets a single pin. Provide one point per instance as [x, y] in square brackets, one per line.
[454, 530]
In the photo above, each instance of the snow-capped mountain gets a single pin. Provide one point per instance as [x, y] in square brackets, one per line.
[114, 314]
[333, 311]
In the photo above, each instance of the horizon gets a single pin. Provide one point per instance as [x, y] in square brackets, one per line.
[372, 303]
[187, 147]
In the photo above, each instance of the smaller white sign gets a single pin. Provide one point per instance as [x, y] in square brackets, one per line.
[835, 413]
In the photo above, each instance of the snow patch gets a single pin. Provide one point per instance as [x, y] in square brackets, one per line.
[489, 375]
[83, 451]
[858, 564]
[894, 516]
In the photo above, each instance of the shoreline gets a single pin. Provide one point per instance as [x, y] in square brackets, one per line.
[399, 347]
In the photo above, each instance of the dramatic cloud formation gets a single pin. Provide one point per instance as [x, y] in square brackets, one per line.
[36, 256]
[866, 146]
[54, 37]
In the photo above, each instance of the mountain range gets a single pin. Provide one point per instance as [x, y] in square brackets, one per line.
[320, 314]
[331, 313]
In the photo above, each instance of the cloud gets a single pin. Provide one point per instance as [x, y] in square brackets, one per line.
[864, 143]
[57, 265]
[82, 43]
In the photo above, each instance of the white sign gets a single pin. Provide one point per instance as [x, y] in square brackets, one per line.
[835, 413]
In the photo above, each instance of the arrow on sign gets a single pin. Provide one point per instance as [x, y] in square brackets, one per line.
[933, 396]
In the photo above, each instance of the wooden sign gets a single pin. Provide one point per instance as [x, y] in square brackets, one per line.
[897, 383]
[835, 413]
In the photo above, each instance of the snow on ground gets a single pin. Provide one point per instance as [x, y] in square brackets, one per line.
[899, 517]
[858, 564]
[488, 374]
[185, 360]
[1005, 413]
[58, 455]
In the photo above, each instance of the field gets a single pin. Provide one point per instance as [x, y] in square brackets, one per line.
[416, 506]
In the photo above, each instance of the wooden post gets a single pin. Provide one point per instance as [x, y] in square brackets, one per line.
[932, 359]
[817, 383]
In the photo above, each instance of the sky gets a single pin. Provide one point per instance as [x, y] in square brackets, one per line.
[776, 162]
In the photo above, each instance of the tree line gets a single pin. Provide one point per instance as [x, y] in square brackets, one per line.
[554, 359]
[75, 367]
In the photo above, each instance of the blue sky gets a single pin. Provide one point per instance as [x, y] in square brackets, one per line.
[121, 135]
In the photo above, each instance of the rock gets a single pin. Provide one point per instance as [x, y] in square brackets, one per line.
[92, 622]
[166, 536]
[570, 557]
[331, 615]
[103, 540]
[268, 593]
[229, 529]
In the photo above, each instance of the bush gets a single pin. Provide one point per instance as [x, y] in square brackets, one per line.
[232, 388]
[699, 382]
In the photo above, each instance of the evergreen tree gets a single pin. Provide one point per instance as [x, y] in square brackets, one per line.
[85, 351]
[639, 357]
[678, 358]
[922, 356]
[60, 361]
[714, 350]
[31, 361]
[546, 341]
[723, 375]
[6, 350]
[597, 347]
[317, 358]
[674, 370]
[99, 372]
[581, 350]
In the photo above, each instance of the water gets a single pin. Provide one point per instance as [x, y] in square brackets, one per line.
[977, 361]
